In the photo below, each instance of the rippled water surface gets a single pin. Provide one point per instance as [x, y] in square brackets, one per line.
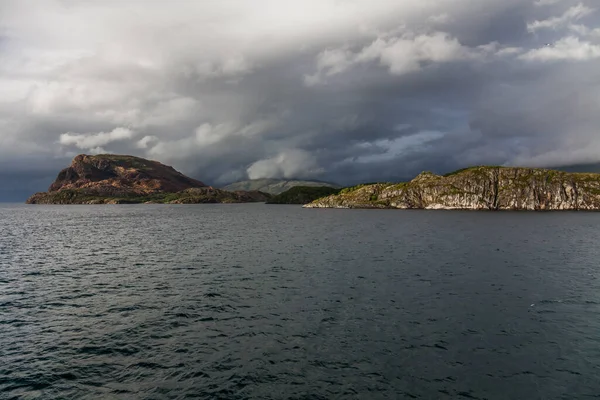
[278, 302]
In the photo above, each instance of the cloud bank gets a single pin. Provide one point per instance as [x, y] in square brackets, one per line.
[346, 91]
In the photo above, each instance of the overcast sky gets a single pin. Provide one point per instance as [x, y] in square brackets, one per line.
[337, 90]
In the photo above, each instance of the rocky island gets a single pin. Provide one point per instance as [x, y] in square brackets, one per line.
[477, 188]
[117, 179]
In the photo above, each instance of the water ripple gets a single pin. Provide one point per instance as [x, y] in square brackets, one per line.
[256, 302]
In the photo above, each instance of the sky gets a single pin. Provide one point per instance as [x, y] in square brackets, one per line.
[346, 91]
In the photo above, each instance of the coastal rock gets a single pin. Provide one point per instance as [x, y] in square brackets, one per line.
[477, 188]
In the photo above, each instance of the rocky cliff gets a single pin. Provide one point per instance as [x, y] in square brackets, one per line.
[115, 179]
[477, 188]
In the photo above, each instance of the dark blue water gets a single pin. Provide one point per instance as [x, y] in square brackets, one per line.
[279, 302]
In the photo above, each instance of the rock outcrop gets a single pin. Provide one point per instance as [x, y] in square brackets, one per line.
[116, 179]
[477, 188]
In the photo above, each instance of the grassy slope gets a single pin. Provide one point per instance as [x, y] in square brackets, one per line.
[303, 195]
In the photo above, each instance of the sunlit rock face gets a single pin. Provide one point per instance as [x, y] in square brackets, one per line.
[478, 188]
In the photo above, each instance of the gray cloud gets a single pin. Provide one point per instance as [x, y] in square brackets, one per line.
[570, 16]
[347, 91]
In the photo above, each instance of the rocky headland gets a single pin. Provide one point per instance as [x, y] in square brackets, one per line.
[275, 186]
[117, 179]
[477, 188]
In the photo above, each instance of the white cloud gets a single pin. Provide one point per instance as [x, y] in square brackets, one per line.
[492, 49]
[401, 55]
[94, 141]
[574, 13]
[546, 2]
[579, 29]
[334, 61]
[210, 138]
[439, 18]
[568, 48]
[330, 62]
[293, 163]
[98, 150]
[407, 54]
[206, 134]
[585, 31]
[404, 54]
[145, 142]
[387, 150]
[508, 51]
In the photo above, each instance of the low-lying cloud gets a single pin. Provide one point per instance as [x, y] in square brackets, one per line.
[293, 163]
[93, 142]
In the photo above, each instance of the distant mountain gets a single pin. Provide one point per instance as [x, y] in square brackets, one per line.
[117, 179]
[477, 188]
[274, 186]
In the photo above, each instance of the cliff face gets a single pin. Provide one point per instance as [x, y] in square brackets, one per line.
[477, 188]
[114, 179]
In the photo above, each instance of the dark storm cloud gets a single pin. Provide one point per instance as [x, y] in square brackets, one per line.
[344, 91]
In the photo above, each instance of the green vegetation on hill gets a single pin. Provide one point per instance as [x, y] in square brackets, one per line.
[124, 161]
[350, 189]
[274, 186]
[303, 195]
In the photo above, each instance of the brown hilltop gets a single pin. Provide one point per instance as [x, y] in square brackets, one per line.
[108, 178]
[122, 173]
